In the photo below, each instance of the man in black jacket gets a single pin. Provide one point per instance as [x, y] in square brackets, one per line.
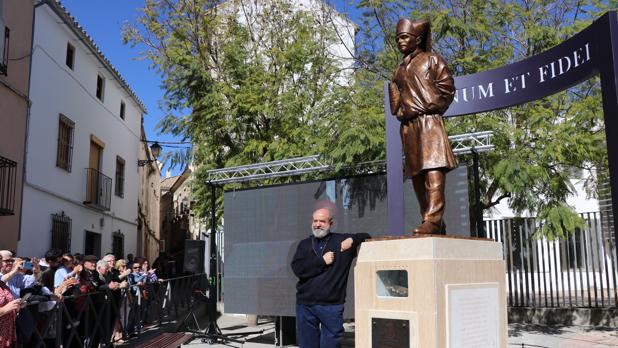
[322, 263]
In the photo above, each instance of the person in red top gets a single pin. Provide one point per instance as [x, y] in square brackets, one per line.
[8, 313]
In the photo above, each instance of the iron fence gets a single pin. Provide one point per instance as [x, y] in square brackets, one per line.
[577, 272]
[87, 320]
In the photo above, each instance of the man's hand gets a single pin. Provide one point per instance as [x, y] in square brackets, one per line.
[17, 265]
[329, 257]
[346, 244]
[69, 282]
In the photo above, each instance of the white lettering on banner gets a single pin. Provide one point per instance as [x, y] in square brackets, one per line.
[546, 72]
[510, 87]
[470, 93]
[483, 93]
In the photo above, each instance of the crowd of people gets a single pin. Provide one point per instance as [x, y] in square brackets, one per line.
[31, 289]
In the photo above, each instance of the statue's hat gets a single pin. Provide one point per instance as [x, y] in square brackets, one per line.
[416, 28]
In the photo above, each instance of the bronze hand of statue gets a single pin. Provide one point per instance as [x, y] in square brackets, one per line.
[394, 96]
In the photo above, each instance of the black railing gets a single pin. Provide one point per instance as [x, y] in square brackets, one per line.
[4, 64]
[86, 320]
[98, 189]
[577, 272]
[8, 183]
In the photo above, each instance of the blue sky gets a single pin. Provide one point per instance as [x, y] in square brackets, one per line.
[103, 20]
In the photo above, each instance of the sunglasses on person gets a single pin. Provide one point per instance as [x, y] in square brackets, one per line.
[9, 260]
[135, 267]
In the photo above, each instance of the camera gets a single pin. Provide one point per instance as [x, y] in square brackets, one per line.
[28, 266]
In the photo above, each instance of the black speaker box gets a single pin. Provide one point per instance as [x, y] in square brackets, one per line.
[194, 256]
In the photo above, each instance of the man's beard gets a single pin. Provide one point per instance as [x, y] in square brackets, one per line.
[320, 233]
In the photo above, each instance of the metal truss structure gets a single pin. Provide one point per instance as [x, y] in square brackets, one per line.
[462, 144]
[267, 170]
[479, 141]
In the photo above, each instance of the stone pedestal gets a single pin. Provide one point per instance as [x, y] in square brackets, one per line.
[430, 292]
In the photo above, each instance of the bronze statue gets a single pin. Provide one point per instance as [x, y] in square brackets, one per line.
[421, 91]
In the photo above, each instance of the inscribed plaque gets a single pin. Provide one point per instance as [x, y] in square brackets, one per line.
[390, 333]
[473, 315]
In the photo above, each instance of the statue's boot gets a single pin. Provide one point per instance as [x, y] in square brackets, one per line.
[434, 193]
[418, 181]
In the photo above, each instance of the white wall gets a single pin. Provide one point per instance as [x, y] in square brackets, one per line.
[579, 201]
[56, 89]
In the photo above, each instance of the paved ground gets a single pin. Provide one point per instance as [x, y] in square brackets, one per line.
[519, 335]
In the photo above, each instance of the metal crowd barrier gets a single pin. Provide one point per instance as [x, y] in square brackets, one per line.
[87, 320]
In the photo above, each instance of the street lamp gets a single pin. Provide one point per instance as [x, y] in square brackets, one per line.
[155, 149]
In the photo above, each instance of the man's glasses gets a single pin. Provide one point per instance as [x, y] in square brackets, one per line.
[9, 260]
[136, 267]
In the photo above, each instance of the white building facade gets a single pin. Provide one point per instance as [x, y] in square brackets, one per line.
[81, 183]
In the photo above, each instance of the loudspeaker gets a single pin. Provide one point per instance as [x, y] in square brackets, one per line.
[194, 256]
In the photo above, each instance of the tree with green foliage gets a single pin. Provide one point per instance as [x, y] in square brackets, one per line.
[256, 80]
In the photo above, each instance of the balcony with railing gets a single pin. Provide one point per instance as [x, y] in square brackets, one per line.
[98, 189]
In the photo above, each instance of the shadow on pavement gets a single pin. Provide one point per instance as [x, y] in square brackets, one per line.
[517, 330]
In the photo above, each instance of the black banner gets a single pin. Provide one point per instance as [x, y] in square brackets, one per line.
[550, 72]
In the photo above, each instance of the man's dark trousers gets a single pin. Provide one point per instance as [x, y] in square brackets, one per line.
[309, 333]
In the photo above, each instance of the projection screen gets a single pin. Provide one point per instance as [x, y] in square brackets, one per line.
[263, 226]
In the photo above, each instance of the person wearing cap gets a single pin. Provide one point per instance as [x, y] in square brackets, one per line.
[421, 91]
[87, 279]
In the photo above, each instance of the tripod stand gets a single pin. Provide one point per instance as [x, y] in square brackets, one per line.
[191, 314]
[212, 334]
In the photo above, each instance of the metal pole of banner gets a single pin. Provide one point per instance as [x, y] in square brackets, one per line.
[213, 332]
[607, 33]
[478, 210]
[212, 270]
[394, 171]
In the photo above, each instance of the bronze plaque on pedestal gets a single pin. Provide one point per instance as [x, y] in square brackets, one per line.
[390, 333]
